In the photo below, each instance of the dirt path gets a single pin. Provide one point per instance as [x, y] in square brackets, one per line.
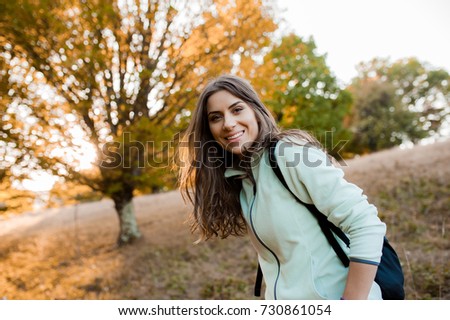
[164, 208]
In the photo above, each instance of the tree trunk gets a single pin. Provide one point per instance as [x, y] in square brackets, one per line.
[129, 230]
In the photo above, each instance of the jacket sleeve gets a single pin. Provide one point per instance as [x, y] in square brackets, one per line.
[314, 179]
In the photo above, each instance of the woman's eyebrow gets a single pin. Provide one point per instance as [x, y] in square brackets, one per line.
[233, 104]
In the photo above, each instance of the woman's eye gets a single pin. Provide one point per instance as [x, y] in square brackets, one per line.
[214, 118]
[238, 109]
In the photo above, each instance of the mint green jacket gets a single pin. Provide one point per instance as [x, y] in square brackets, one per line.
[295, 257]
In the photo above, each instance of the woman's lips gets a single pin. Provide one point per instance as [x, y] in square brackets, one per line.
[234, 137]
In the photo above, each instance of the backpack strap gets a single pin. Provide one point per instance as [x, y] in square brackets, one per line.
[327, 227]
[258, 282]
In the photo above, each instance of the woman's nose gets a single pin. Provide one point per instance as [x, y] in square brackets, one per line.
[229, 123]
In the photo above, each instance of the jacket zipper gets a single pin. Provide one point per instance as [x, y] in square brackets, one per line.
[263, 244]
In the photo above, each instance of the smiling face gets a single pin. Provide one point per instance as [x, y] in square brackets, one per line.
[232, 121]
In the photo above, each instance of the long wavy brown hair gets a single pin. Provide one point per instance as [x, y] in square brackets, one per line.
[202, 162]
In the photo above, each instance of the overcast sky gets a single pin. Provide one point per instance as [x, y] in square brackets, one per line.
[350, 31]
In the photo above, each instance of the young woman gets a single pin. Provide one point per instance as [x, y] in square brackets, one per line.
[228, 178]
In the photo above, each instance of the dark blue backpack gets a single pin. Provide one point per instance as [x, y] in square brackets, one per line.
[389, 275]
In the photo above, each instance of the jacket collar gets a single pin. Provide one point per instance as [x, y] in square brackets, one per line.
[231, 172]
[234, 172]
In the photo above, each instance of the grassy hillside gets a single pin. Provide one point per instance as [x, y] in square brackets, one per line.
[411, 189]
[69, 253]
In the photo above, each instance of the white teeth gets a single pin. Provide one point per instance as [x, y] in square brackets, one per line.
[235, 136]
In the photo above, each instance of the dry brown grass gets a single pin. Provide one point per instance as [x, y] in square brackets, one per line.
[70, 253]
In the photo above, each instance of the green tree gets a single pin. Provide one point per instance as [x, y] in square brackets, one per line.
[296, 83]
[121, 76]
[397, 102]
[380, 120]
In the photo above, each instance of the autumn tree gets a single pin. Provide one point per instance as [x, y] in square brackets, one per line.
[121, 76]
[14, 200]
[13, 157]
[298, 86]
[397, 102]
